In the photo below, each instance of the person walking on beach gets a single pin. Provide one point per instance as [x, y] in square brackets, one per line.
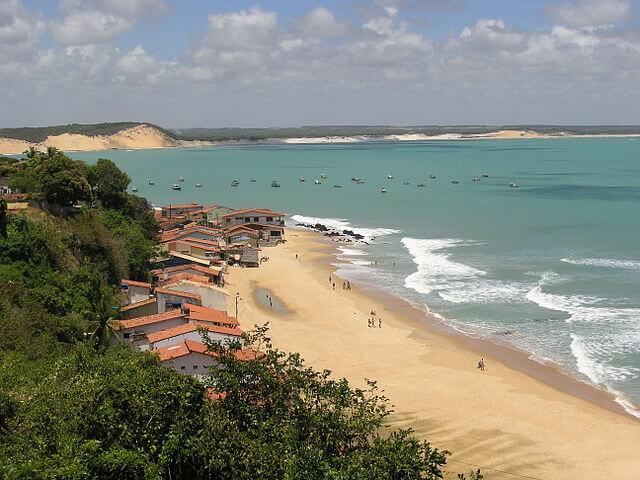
[334, 286]
[379, 323]
[329, 278]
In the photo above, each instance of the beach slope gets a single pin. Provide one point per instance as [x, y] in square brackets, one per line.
[502, 419]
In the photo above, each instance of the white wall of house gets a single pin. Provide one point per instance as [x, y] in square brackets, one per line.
[195, 364]
[195, 336]
[137, 294]
[190, 271]
[212, 297]
[252, 217]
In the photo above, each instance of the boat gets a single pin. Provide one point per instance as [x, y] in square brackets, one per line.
[455, 182]
[421, 185]
[198, 185]
[390, 177]
[176, 187]
[406, 183]
[302, 179]
[323, 175]
[432, 177]
[235, 183]
[253, 180]
[275, 184]
[383, 190]
[151, 182]
[337, 186]
[484, 175]
[317, 182]
[475, 179]
[359, 182]
[514, 185]
[134, 189]
[181, 179]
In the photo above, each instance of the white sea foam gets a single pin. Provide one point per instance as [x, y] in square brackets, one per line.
[485, 292]
[603, 262]
[580, 308]
[600, 373]
[351, 252]
[435, 268]
[340, 224]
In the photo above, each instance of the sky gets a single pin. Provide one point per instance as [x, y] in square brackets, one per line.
[215, 63]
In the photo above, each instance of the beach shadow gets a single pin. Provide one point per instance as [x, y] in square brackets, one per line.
[267, 300]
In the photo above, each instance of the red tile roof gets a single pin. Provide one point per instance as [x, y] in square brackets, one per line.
[135, 283]
[189, 346]
[183, 276]
[214, 271]
[147, 320]
[260, 211]
[183, 206]
[204, 314]
[133, 306]
[178, 293]
[239, 228]
[191, 327]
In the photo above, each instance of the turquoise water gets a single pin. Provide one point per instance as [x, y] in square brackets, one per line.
[552, 267]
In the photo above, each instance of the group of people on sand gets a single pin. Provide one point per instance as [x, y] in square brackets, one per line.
[270, 300]
[264, 258]
[372, 321]
[346, 285]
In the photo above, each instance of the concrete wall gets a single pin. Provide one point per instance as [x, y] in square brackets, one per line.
[163, 298]
[137, 294]
[141, 311]
[194, 364]
[212, 297]
[195, 336]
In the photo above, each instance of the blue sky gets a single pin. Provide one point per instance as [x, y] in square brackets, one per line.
[260, 63]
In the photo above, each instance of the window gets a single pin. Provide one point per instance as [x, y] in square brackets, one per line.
[195, 367]
[126, 335]
[247, 219]
[269, 219]
[181, 367]
[275, 233]
[256, 219]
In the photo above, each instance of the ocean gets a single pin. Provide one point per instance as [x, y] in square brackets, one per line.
[551, 267]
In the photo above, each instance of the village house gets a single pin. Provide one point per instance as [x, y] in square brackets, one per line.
[5, 189]
[215, 213]
[209, 295]
[192, 358]
[181, 210]
[140, 309]
[213, 274]
[197, 313]
[253, 215]
[196, 247]
[192, 331]
[134, 330]
[241, 235]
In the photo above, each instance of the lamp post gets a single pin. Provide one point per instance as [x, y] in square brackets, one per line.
[237, 299]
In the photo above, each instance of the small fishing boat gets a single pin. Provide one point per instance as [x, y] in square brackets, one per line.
[421, 185]
[432, 177]
[475, 179]
[359, 182]
[176, 187]
[198, 185]
[406, 183]
[151, 182]
[302, 179]
[275, 184]
[514, 185]
[235, 183]
[484, 175]
[455, 182]
[323, 175]
[390, 177]
[253, 180]
[181, 179]
[134, 189]
[383, 190]
[317, 182]
[337, 186]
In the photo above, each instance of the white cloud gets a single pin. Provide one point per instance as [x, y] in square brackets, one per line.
[88, 27]
[320, 22]
[254, 29]
[591, 13]
[20, 30]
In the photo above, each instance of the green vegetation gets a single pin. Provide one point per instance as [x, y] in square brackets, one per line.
[39, 134]
[73, 406]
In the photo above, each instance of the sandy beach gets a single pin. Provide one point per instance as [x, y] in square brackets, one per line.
[516, 416]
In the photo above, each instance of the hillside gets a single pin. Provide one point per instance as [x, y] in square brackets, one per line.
[103, 136]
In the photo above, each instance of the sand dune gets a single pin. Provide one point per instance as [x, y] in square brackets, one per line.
[138, 137]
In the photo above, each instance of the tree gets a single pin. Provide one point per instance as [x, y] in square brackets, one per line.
[108, 183]
[62, 179]
[31, 153]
